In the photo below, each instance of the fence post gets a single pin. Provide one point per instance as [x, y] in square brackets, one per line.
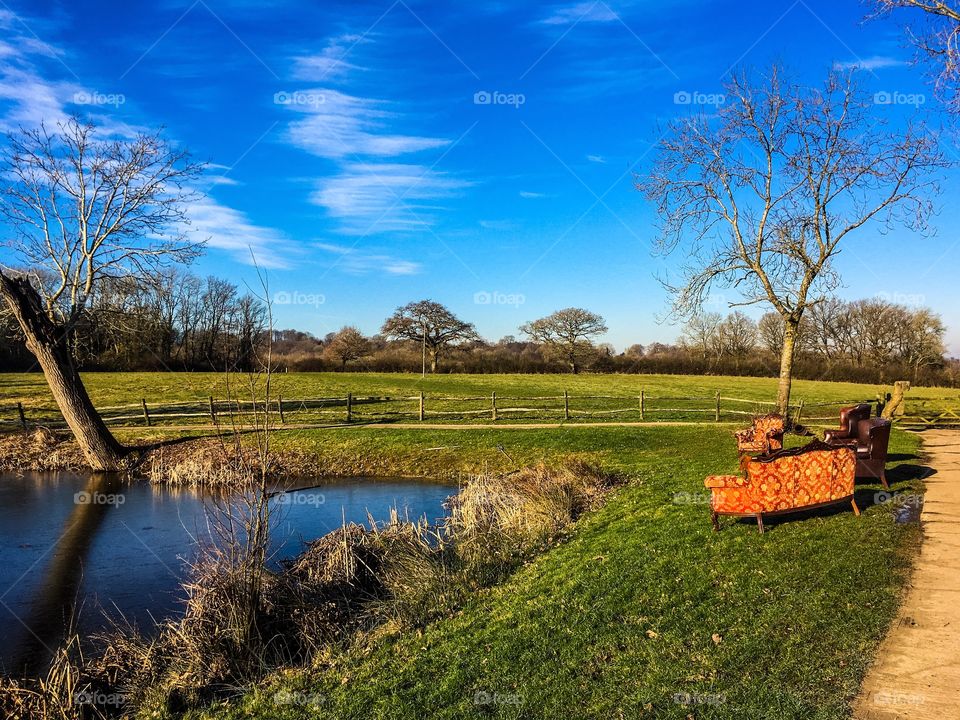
[349, 407]
[566, 405]
[23, 417]
[799, 412]
[146, 413]
[213, 411]
[421, 406]
[493, 407]
[280, 409]
[718, 406]
[643, 403]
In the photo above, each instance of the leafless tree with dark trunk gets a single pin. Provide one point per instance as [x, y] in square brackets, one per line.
[430, 324]
[568, 334]
[80, 209]
[763, 196]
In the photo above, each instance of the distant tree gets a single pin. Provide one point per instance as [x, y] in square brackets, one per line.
[84, 208]
[567, 334]
[430, 324]
[936, 35]
[634, 351]
[701, 333]
[763, 195]
[348, 344]
[737, 335]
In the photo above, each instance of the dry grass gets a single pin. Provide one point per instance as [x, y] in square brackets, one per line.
[39, 449]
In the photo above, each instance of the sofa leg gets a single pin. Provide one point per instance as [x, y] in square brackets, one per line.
[714, 518]
[760, 522]
[883, 478]
[856, 510]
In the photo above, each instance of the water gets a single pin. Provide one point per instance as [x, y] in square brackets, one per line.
[82, 547]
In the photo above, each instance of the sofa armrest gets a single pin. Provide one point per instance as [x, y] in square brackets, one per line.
[722, 481]
[838, 437]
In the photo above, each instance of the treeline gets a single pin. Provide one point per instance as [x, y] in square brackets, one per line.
[180, 321]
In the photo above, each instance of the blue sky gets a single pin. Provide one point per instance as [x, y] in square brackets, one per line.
[479, 154]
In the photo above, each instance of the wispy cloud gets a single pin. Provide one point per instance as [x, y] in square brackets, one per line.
[337, 125]
[384, 197]
[589, 11]
[359, 262]
[331, 63]
[528, 195]
[596, 158]
[225, 228]
[498, 225]
[874, 62]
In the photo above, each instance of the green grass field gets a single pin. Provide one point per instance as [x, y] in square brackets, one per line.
[593, 397]
[642, 611]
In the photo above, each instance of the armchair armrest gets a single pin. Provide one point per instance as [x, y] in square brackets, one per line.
[722, 481]
[838, 437]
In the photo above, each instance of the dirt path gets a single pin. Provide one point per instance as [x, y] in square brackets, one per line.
[359, 425]
[917, 671]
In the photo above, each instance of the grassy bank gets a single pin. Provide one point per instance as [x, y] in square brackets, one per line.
[642, 611]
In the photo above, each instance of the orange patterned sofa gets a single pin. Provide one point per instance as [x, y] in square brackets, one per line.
[785, 481]
[763, 436]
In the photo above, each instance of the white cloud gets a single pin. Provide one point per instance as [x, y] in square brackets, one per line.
[339, 126]
[384, 197]
[528, 195]
[596, 158]
[331, 63]
[358, 262]
[498, 225]
[588, 11]
[227, 229]
[874, 62]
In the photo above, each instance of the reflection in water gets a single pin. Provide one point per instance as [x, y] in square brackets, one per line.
[72, 547]
[51, 612]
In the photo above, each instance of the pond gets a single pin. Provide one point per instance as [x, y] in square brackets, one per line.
[91, 547]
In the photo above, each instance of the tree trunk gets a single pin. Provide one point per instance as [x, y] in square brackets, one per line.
[48, 344]
[786, 366]
[434, 360]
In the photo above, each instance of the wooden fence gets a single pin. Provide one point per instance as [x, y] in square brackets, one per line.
[645, 407]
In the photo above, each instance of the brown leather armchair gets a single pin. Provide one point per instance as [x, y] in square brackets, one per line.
[873, 439]
[849, 419]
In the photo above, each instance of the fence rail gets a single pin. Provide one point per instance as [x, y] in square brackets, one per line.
[350, 407]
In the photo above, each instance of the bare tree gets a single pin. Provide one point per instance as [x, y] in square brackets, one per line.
[82, 209]
[568, 334]
[764, 195]
[700, 332]
[347, 344]
[737, 335]
[936, 35]
[430, 324]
